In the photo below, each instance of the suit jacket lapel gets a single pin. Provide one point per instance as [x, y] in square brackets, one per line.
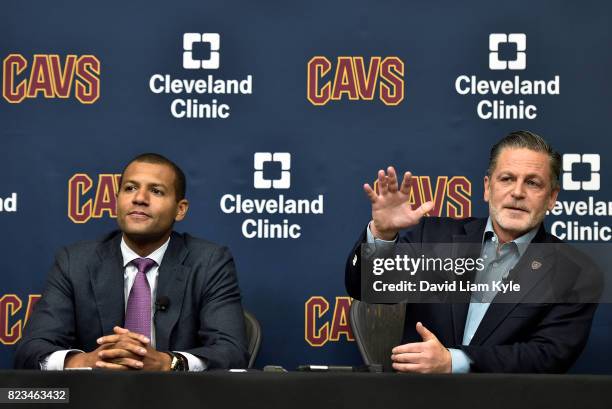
[171, 283]
[106, 276]
[469, 245]
[524, 273]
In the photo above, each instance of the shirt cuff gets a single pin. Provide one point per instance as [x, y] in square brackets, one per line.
[460, 361]
[379, 242]
[55, 360]
[195, 364]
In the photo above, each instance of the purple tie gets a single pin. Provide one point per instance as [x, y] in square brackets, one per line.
[138, 313]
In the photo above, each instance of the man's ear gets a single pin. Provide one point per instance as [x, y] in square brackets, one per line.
[487, 191]
[552, 200]
[182, 207]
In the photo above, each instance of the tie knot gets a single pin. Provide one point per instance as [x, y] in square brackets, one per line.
[143, 264]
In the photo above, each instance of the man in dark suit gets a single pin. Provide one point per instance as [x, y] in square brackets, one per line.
[504, 335]
[144, 297]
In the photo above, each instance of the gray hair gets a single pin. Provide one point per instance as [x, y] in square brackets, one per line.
[531, 141]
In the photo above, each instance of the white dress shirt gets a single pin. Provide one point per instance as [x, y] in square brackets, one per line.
[55, 360]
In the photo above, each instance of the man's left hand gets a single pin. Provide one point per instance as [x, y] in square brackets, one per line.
[429, 356]
[126, 343]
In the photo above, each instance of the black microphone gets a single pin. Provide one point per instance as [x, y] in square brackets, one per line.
[162, 303]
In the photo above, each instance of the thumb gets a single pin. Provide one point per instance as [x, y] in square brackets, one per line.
[118, 330]
[425, 208]
[424, 332]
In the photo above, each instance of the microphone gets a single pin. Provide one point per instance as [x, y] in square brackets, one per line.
[162, 303]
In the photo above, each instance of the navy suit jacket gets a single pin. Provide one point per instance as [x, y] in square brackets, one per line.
[84, 299]
[512, 336]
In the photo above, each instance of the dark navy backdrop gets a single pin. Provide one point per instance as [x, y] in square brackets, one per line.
[334, 148]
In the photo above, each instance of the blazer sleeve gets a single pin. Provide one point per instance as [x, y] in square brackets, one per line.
[352, 271]
[51, 326]
[222, 330]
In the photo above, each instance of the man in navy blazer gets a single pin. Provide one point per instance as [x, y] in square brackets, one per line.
[196, 318]
[505, 335]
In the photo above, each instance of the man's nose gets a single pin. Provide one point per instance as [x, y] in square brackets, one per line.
[141, 197]
[518, 191]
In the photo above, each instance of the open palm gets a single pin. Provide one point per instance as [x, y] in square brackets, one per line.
[391, 210]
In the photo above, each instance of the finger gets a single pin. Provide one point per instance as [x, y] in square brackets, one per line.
[109, 365]
[110, 354]
[406, 186]
[382, 183]
[118, 330]
[130, 339]
[107, 339]
[128, 362]
[105, 346]
[424, 209]
[407, 358]
[412, 347]
[370, 192]
[392, 179]
[116, 337]
[407, 367]
[424, 332]
[135, 348]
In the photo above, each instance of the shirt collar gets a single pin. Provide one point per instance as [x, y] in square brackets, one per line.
[130, 255]
[521, 242]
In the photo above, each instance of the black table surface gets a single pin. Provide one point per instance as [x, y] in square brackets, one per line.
[105, 389]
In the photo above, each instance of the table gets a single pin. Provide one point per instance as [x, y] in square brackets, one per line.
[220, 389]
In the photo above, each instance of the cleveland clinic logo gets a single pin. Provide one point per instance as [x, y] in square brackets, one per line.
[270, 216]
[200, 98]
[517, 40]
[506, 98]
[592, 160]
[586, 219]
[212, 40]
[261, 159]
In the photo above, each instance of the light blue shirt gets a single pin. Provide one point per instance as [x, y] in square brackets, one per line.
[498, 260]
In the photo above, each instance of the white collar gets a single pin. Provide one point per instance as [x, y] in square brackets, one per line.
[130, 255]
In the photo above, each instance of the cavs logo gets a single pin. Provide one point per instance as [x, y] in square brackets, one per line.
[85, 202]
[49, 76]
[322, 325]
[11, 305]
[355, 79]
[451, 195]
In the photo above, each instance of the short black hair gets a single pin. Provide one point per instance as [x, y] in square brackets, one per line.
[531, 141]
[180, 182]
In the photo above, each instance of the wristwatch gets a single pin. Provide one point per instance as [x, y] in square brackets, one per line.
[178, 362]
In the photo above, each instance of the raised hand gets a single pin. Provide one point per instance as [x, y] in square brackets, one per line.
[391, 211]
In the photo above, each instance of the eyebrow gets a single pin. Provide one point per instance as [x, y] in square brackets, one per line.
[147, 184]
[529, 175]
